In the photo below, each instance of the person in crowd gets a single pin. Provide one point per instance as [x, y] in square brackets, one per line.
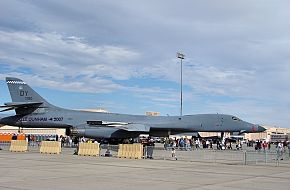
[264, 146]
[218, 145]
[166, 143]
[289, 150]
[269, 145]
[207, 144]
[62, 140]
[187, 144]
[197, 144]
[173, 153]
[181, 143]
[76, 141]
[28, 139]
[210, 145]
[230, 146]
[150, 148]
[239, 145]
[280, 151]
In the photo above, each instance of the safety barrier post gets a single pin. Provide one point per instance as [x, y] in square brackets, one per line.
[133, 151]
[89, 149]
[81, 149]
[18, 146]
[126, 150]
[50, 147]
[120, 151]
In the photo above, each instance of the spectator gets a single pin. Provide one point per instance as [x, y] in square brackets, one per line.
[14, 137]
[150, 148]
[29, 140]
[218, 145]
[264, 145]
[197, 144]
[289, 149]
[210, 145]
[187, 144]
[280, 151]
[181, 143]
[173, 154]
[207, 143]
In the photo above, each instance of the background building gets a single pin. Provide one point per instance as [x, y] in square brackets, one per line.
[272, 134]
[152, 113]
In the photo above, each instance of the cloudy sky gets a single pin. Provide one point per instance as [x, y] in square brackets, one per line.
[121, 55]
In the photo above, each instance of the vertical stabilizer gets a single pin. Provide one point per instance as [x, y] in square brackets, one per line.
[22, 93]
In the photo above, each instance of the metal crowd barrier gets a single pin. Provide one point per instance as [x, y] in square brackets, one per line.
[240, 157]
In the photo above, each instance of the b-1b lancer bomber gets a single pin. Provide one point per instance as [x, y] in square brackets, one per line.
[33, 111]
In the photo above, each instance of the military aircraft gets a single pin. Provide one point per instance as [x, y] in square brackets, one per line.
[33, 111]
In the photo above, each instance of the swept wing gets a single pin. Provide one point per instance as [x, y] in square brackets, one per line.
[120, 125]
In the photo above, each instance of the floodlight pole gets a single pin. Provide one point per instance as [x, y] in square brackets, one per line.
[181, 57]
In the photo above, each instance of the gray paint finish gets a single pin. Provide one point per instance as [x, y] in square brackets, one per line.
[34, 111]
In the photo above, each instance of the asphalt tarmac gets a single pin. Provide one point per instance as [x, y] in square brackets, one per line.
[32, 170]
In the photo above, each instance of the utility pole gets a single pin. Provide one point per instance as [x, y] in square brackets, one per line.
[181, 57]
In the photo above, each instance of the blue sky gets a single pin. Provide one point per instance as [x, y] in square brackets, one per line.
[121, 55]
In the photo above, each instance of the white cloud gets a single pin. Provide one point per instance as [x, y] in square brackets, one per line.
[60, 56]
[235, 50]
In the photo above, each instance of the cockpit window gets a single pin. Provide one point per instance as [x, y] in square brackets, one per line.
[235, 118]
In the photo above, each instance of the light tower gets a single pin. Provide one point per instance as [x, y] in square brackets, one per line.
[181, 57]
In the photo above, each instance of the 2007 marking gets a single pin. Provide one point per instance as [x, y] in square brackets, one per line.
[57, 118]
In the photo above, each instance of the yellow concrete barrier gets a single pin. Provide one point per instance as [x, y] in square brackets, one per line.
[120, 151]
[132, 151]
[89, 149]
[138, 150]
[50, 147]
[18, 146]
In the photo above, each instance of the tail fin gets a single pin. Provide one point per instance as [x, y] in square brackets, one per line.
[24, 97]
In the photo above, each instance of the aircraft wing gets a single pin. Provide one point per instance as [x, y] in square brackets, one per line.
[15, 105]
[135, 127]
[121, 125]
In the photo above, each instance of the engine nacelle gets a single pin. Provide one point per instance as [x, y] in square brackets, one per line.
[100, 132]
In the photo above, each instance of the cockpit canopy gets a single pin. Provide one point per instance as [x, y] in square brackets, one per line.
[235, 118]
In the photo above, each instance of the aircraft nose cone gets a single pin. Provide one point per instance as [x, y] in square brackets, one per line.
[261, 129]
[256, 128]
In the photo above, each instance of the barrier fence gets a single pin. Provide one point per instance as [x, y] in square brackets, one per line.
[88, 149]
[131, 151]
[50, 147]
[18, 146]
[137, 151]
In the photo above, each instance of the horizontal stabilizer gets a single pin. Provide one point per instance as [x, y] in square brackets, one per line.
[14, 105]
[8, 109]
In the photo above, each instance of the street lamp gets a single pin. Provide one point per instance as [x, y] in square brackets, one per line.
[181, 57]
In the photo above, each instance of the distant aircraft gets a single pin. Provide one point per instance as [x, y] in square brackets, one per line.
[32, 111]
